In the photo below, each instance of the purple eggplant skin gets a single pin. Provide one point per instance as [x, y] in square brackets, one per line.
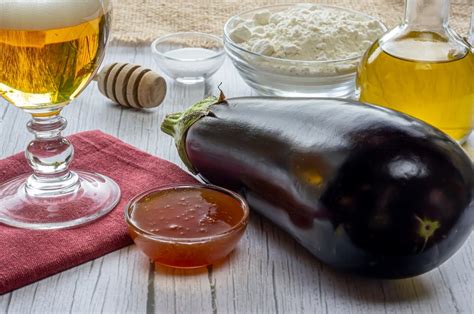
[366, 190]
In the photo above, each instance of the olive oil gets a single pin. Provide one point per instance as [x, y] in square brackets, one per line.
[421, 75]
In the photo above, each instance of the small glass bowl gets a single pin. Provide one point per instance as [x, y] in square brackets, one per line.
[186, 252]
[188, 57]
[293, 78]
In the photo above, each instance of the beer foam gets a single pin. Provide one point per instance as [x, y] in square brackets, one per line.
[48, 14]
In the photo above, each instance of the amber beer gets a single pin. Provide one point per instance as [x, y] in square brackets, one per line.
[46, 61]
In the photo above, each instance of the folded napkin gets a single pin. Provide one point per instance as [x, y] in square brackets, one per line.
[27, 256]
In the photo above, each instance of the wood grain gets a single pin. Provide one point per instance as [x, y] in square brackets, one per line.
[268, 273]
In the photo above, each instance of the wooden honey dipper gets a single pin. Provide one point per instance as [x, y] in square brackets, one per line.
[131, 85]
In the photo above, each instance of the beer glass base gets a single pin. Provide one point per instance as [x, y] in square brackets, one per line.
[96, 196]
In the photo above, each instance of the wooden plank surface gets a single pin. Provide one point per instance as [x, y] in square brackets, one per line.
[268, 273]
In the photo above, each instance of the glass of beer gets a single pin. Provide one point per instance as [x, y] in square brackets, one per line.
[49, 51]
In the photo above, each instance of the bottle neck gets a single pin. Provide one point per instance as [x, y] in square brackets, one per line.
[427, 14]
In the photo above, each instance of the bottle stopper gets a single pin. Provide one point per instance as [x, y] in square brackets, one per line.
[131, 85]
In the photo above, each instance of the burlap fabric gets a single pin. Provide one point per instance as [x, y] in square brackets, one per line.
[141, 21]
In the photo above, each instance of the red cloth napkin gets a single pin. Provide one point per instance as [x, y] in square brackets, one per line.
[27, 256]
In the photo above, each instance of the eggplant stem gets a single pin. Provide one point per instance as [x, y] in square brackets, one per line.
[168, 125]
[177, 125]
[221, 95]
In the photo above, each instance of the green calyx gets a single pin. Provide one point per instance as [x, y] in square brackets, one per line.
[177, 125]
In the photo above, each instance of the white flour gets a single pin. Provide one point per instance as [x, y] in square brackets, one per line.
[307, 32]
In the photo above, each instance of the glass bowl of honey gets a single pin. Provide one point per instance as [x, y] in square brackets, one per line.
[187, 226]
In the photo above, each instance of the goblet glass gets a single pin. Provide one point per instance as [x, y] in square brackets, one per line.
[49, 52]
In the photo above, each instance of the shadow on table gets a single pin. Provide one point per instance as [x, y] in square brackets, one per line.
[168, 271]
[378, 291]
[114, 106]
[346, 286]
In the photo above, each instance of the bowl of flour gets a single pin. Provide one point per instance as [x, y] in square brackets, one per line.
[300, 50]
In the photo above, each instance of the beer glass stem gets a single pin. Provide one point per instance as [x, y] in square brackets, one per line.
[49, 155]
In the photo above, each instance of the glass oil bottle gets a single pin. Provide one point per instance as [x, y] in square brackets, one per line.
[422, 68]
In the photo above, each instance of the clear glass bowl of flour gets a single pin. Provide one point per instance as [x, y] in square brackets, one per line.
[188, 57]
[269, 62]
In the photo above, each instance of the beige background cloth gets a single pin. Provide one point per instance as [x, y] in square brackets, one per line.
[141, 21]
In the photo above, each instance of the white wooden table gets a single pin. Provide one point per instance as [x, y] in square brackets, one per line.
[268, 273]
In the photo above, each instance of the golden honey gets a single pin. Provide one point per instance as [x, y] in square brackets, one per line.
[187, 226]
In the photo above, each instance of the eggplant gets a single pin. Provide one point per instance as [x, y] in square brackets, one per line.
[366, 190]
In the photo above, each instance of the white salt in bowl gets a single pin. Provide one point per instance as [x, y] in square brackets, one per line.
[293, 78]
[188, 57]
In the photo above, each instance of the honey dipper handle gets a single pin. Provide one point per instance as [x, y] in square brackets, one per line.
[131, 85]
